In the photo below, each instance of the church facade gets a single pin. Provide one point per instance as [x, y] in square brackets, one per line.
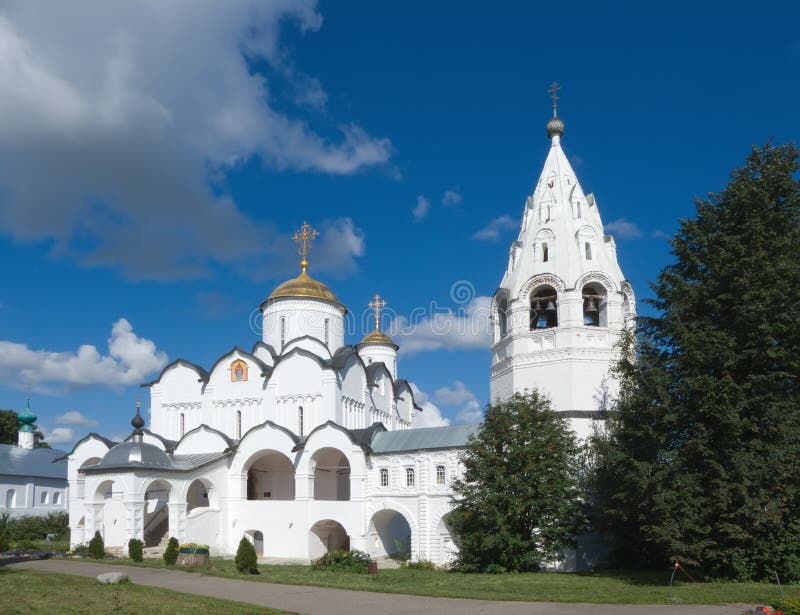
[304, 444]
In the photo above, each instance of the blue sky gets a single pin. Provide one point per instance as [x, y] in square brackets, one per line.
[154, 162]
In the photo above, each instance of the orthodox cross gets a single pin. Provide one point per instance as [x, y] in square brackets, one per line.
[303, 239]
[553, 91]
[377, 304]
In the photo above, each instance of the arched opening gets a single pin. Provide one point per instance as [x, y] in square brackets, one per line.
[156, 513]
[183, 424]
[331, 475]
[80, 487]
[200, 494]
[239, 424]
[300, 421]
[327, 535]
[270, 476]
[258, 543]
[595, 313]
[502, 317]
[448, 542]
[544, 308]
[109, 518]
[545, 253]
[389, 535]
[11, 498]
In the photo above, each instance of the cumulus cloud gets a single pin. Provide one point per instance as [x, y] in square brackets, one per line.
[624, 229]
[73, 417]
[134, 112]
[438, 328]
[130, 360]
[421, 210]
[464, 401]
[452, 197]
[431, 415]
[493, 230]
[59, 435]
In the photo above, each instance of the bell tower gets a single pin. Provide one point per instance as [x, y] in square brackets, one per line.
[563, 300]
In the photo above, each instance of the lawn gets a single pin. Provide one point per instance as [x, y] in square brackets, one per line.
[28, 592]
[601, 587]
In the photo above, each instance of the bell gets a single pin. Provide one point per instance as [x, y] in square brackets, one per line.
[591, 306]
[551, 307]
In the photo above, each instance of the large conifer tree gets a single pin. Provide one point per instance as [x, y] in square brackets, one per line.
[702, 459]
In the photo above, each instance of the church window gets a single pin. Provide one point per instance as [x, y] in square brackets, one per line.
[545, 253]
[578, 208]
[183, 424]
[11, 498]
[544, 309]
[440, 475]
[239, 424]
[502, 317]
[57, 498]
[43, 498]
[594, 306]
[238, 371]
[409, 477]
[283, 331]
[384, 477]
[588, 249]
[300, 420]
[327, 330]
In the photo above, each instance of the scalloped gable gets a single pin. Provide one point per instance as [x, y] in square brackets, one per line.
[202, 374]
[272, 425]
[356, 436]
[203, 439]
[314, 342]
[243, 354]
[90, 436]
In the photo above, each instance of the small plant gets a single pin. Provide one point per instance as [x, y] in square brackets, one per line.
[345, 561]
[401, 553]
[789, 606]
[81, 548]
[246, 559]
[135, 549]
[193, 547]
[3, 542]
[96, 549]
[422, 564]
[171, 552]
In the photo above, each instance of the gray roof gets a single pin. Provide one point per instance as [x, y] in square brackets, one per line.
[424, 438]
[195, 460]
[18, 461]
[133, 455]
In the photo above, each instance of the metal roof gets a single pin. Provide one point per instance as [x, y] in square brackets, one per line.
[424, 438]
[18, 461]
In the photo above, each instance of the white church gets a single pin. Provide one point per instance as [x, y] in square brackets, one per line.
[304, 444]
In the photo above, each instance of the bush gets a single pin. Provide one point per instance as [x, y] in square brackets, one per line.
[171, 553]
[193, 547]
[789, 606]
[344, 561]
[81, 548]
[26, 545]
[97, 549]
[35, 527]
[246, 558]
[135, 549]
[3, 542]
[422, 564]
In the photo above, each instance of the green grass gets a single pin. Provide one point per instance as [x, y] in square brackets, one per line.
[601, 587]
[28, 592]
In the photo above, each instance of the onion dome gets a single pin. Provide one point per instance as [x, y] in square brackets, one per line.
[377, 338]
[137, 422]
[555, 126]
[26, 418]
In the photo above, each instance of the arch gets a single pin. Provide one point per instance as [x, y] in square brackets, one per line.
[595, 305]
[327, 535]
[156, 511]
[628, 299]
[390, 534]
[104, 491]
[502, 317]
[80, 485]
[544, 279]
[109, 513]
[270, 476]
[331, 470]
[544, 308]
[258, 543]
[598, 277]
[543, 246]
[200, 494]
[446, 540]
[11, 498]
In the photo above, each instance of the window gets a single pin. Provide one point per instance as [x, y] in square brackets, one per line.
[440, 475]
[11, 498]
[409, 477]
[238, 371]
[300, 420]
[327, 330]
[587, 247]
[384, 477]
[578, 208]
[57, 498]
[43, 498]
[544, 309]
[239, 424]
[502, 317]
[594, 305]
[545, 253]
[183, 424]
[283, 331]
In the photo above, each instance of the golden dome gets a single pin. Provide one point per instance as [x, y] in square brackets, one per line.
[377, 337]
[304, 286]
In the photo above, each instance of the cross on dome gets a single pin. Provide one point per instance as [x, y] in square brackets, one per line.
[377, 304]
[303, 238]
[553, 91]
[555, 127]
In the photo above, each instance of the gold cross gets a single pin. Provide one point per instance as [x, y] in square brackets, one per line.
[377, 304]
[303, 239]
[553, 91]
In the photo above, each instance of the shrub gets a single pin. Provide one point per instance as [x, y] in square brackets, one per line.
[80, 548]
[246, 558]
[789, 606]
[97, 549]
[422, 564]
[3, 542]
[193, 547]
[344, 561]
[26, 545]
[171, 553]
[135, 549]
[35, 527]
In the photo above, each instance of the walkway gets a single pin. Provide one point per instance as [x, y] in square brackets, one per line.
[325, 601]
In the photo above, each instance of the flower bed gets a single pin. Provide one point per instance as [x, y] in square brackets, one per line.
[193, 554]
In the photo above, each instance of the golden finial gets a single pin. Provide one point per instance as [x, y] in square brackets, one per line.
[377, 304]
[553, 91]
[303, 239]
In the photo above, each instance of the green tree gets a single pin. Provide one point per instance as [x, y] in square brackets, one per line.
[172, 551]
[9, 428]
[518, 502]
[136, 549]
[96, 548]
[246, 559]
[702, 455]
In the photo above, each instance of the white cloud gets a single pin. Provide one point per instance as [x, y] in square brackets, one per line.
[421, 210]
[130, 360]
[624, 229]
[59, 435]
[468, 409]
[134, 112]
[493, 230]
[73, 417]
[430, 416]
[452, 197]
[436, 328]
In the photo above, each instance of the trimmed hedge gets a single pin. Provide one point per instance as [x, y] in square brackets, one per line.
[35, 527]
[171, 553]
[344, 561]
[246, 559]
[136, 549]
[97, 549]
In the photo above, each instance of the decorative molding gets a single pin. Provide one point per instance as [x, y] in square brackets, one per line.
[543, 279]
[596, 276]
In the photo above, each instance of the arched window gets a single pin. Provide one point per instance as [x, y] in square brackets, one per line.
[57, 497]
[545, 253]
[238, 371]
[239, 424]
[300, 420]
[578, 209]
[440, 475]
[384, 472]
[327, 330]
[409, 477]
[502, 317]
[43, 497]
[594, 305]
[11, 498]
[587, 248]
[544, 308]
[183, 424]
[283, 331]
